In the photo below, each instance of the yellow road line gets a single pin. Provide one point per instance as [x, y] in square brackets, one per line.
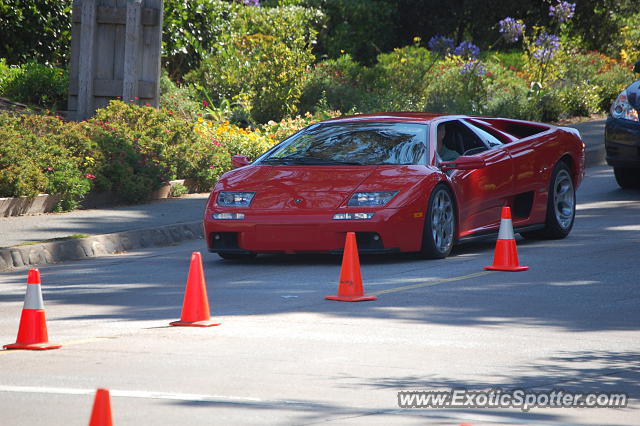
[428, 284]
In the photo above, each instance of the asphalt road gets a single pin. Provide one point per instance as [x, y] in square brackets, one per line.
[284, 355]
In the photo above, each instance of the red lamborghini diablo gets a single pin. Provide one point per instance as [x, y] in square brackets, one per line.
[403, 182]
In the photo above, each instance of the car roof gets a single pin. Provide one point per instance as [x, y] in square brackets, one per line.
[410, 117]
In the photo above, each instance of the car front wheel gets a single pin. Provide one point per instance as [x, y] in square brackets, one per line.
[440, 225]
[627, 178]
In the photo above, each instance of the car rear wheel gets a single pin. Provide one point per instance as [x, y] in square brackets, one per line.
[627, 178]
[561, 207]
[440, 225]
[237, 256]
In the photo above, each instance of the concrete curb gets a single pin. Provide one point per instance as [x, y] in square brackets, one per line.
[97, 245]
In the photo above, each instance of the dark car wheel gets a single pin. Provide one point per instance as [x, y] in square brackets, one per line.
[561, 207]
[627, 178]
[237, 256]
[440, 225]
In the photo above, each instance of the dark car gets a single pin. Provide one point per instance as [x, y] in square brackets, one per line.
[622, 136]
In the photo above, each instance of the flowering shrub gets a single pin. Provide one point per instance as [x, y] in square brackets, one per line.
[40, 154]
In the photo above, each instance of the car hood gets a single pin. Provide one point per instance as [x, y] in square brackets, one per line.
[311, 187]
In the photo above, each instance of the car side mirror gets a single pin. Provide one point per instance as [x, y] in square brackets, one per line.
[636, 67]
[463, 163]
[239, 161]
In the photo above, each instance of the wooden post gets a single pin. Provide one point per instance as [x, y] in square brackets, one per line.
[132, 50]
[88, 28]
[115, 54]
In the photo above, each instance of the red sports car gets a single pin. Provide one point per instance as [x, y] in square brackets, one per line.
[403, 182]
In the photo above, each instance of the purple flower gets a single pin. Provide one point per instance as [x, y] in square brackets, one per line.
[473, 66]
[511, 29]
[255, 3]
[440, 45]
[563, 11]
[466, 49]
[546, 47]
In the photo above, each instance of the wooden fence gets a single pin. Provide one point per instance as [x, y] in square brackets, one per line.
[115, 54]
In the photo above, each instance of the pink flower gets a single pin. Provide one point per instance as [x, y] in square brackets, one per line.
[137, 98]
[212, 166]
[49, 169]
[167, 130]
[205, 104]
[89, 176]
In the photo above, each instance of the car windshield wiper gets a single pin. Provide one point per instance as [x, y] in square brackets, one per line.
[308, 160]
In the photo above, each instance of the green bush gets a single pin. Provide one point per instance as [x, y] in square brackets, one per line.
[40, 154]
[258, 72]
[400, 77]
[611, 82]
[35, 30]
[580, 100]
[179, 99]
[335, 84]
[453, 89]
[145, 147]
[262, 66]
[37, 84]
[360, 28]
[193, 30]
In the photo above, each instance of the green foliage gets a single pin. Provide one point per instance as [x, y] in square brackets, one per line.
[360, 28]
[399, 77]
[629, 43]
[145, 147]
[334, 84]
[37, 84]
[178, 190]
[193, 30]
[35, 30]
[451, 89]
[40, 154]
[179, 99]
[261, 68]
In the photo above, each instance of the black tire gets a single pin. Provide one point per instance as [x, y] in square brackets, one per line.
[627, 178]
[237, 256]
[439, 233]
[561, 207]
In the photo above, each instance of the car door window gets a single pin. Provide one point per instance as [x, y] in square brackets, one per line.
[485, 138]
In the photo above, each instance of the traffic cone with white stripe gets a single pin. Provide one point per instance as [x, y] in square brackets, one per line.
[505, 257]
[32, 333]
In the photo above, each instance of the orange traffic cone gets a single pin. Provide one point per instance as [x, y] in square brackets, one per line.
[350, 287]
[101, 413]
[195, 309]
[505, 257]
[32, 333]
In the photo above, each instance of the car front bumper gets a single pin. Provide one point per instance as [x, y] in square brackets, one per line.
[389, 230]
[622, 143]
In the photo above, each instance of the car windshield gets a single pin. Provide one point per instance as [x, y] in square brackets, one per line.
[353, 144]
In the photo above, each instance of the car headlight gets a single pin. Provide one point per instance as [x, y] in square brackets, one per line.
[621, 108]
[235, 198]
[371, 198]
